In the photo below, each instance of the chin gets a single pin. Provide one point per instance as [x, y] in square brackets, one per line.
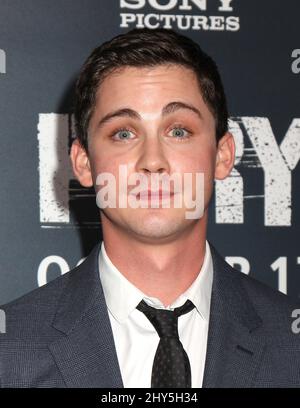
[156, 228]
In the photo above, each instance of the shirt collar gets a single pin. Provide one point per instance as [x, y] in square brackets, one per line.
[122, 296]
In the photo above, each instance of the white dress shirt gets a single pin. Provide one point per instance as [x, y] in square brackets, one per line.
[136, 339]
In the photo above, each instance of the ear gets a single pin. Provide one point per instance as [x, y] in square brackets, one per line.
[81, 164]
[225, 156]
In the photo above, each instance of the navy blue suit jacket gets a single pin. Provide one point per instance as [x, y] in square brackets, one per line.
[59, 335]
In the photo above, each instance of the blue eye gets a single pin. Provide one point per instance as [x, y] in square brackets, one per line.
[123, 133]
[178, 132]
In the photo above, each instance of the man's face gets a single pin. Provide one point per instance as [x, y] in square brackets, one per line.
[179, 141]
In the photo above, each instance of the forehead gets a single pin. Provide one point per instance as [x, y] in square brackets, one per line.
[148, 86]
[148, 73]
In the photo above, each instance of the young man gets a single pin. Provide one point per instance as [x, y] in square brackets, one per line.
[153, 305]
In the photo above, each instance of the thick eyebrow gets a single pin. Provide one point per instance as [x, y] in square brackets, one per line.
[128, 112]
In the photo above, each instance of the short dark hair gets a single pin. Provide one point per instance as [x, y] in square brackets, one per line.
[148, 48]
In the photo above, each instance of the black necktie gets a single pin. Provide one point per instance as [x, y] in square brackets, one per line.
[171, 366]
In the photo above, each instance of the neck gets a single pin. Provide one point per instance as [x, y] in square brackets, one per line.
[163, 270]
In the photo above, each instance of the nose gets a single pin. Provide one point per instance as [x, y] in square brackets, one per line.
[152, 158]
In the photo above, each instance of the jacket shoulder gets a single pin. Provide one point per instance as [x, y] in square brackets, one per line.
[277, 310]
[261, 294]
[34, 311]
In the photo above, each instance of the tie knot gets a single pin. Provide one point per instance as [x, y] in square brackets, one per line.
[164, 321]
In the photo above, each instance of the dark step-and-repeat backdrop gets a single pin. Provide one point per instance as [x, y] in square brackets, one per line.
[49, 223]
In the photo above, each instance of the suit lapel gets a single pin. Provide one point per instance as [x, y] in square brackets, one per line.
[235, 343]
[85, 353]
